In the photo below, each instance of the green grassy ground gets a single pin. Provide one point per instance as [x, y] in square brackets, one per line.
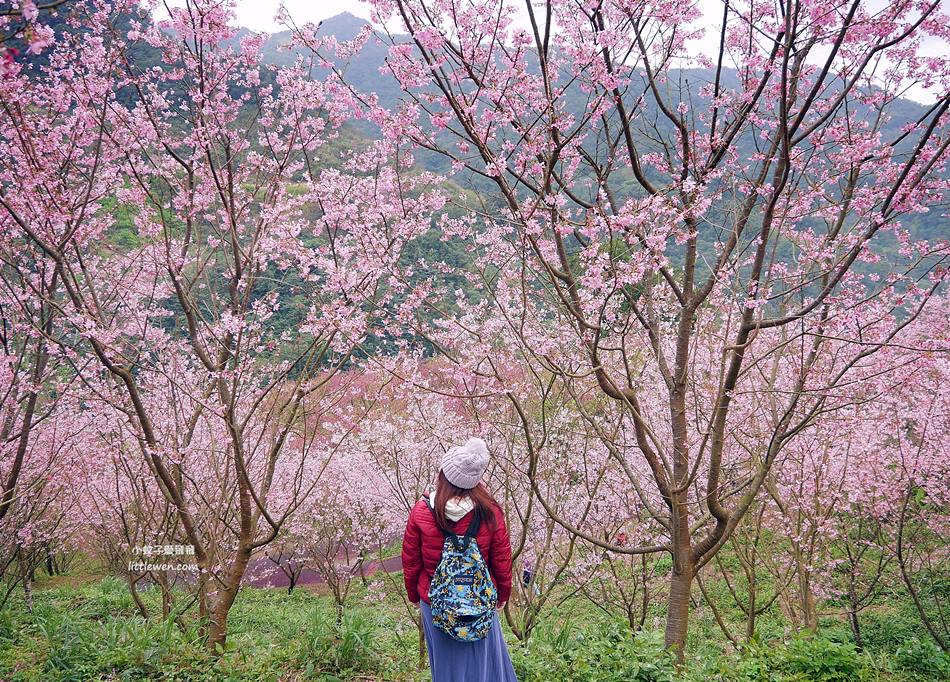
[91, 630]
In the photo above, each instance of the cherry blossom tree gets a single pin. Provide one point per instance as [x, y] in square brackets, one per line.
[657, 232]
[694, 306]
[25, 19]
[236, 212]
[43, 525]
[863, 484]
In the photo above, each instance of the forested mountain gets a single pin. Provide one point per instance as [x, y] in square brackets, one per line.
[367, 71]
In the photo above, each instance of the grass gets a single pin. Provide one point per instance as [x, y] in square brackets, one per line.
[91, 630]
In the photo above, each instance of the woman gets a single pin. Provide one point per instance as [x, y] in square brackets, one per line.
[458, 498]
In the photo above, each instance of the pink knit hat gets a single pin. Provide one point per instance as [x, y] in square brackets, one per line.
[463, 465]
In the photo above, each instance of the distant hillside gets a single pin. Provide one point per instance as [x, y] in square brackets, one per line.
[366, 70]
[363, 71]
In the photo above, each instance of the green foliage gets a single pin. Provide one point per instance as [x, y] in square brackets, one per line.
[603, 654]
[94, 632]
[335, 648]
[922, 660]
[889, 629]
[817, 659]
[79, 648]
[811, 659]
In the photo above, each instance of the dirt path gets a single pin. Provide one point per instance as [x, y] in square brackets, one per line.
[267, 575]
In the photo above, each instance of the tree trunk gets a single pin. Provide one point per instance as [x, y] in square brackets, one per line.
[681, 576]
[677, 617]
[855, 628]
[811, 609]
[683, 571]
[167, 599]
[26, 575]
[136, 597]
[750, 616]
[218, 625]
[218, 629]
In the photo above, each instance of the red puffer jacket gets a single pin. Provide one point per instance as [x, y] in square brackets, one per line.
[422, 550]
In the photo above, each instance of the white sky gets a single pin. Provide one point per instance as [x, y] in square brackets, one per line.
[258, 15]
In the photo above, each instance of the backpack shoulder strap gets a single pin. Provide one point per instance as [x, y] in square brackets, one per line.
[474, 525]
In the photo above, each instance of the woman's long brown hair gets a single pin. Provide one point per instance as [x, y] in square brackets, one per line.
[445, 491]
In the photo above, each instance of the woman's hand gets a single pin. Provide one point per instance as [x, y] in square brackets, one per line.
[501, 606]
[415, 604]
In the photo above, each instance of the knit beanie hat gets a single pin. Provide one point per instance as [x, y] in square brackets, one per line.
[463, 465]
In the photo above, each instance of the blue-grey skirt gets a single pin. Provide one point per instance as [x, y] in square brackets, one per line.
[451, 661]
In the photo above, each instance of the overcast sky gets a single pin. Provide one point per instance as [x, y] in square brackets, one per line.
[258, 15]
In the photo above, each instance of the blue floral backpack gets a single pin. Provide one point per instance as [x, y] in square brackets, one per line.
[461, 593]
